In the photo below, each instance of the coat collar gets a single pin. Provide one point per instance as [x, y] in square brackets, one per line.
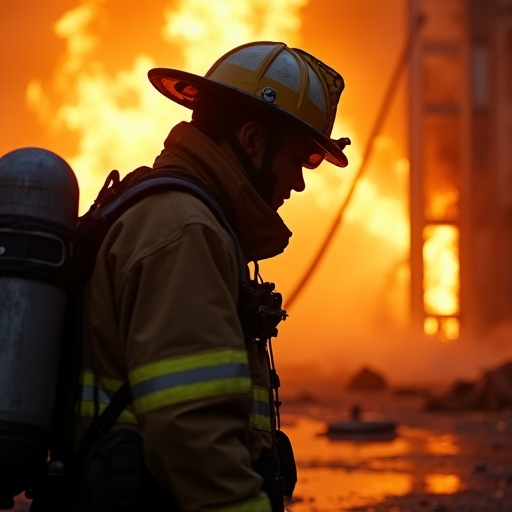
[260, 230]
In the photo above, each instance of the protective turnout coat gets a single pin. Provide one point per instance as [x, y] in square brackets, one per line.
[162, 313]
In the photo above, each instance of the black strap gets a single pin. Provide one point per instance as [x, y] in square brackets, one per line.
[120, 400]
[178, 179]
[115, 198]
[143, 182]
[104, 214]
[102, 424]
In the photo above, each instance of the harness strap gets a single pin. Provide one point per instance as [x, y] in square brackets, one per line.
[102, 216]
[144, 181]
[102, 424]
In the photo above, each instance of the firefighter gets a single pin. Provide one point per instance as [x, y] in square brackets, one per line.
[162, 304]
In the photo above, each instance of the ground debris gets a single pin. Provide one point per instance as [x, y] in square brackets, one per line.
[367, 380]
[492, 392]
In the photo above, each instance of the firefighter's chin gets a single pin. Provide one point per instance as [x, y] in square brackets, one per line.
[277, 203]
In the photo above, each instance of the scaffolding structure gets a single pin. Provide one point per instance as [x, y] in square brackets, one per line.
[461, 166]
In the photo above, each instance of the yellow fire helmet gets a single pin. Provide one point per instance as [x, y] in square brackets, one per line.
[287, 82]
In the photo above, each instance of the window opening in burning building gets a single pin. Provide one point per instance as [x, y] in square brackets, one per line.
[438, 70]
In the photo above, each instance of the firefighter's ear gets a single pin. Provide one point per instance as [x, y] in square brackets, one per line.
[252, 137]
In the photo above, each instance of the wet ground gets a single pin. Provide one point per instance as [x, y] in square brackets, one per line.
[435, 462]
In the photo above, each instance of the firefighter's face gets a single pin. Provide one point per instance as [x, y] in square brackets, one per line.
[288, 166]
[293, 152]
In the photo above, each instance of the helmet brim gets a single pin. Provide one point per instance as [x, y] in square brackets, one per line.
[183, 88]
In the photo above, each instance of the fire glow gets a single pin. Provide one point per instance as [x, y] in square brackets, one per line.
[96, 108]
[441, 280]
[109, 112]
[441, 268]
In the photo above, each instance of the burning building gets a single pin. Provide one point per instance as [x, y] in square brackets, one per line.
[421, 252]
[461, 165]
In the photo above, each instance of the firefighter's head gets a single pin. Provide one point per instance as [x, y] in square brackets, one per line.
[287, 94]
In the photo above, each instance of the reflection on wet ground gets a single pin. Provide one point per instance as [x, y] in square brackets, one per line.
[432, 458]
[433, 462]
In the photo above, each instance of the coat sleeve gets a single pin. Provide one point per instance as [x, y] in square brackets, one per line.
[187, 363]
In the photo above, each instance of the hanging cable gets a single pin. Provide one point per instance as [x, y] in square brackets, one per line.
[384, 109]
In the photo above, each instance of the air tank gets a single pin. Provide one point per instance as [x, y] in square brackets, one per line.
[38, 212]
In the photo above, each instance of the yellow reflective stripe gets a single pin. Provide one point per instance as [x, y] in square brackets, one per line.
[260, 409]
[261, 422]
[86, 409]
[179, 394]
[189, 362]
[259, 504]
[260, 394]
[88, 378]
[192, 377]
[105, 388]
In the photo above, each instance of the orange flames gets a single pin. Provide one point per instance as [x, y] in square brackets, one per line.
[117, 116]
[99, 112]
[441, 280]
[441, 272]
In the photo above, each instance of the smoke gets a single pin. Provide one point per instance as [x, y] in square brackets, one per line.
[96, 106]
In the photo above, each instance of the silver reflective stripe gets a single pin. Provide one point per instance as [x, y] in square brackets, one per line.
[193, 376]
[260, 408]
[102, 396]
[95, 399]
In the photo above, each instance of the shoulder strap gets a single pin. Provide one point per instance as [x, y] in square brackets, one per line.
[102, 424]
[115, 198]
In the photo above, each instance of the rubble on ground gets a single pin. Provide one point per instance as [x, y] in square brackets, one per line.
[492, 392]
[367, 380]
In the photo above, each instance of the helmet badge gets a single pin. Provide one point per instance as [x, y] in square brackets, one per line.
[269, 95]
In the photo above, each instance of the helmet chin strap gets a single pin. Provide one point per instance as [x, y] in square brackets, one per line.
[262, 179]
